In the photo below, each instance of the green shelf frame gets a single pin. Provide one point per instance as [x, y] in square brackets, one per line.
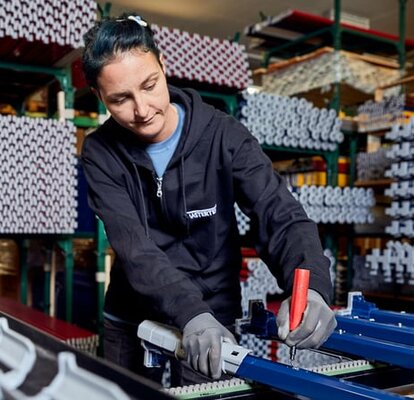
[336, 31]
[331, 158]
[64, 77]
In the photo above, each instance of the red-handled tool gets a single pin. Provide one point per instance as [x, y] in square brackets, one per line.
[298, 302]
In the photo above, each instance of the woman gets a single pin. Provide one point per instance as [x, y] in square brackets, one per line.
[164, 173]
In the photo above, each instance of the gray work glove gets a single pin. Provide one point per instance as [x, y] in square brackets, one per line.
[202, 337]
[317, 324]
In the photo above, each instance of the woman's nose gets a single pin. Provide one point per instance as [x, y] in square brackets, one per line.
[140, 108]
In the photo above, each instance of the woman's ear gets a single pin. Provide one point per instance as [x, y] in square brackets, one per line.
[162, 63]
[96, 93]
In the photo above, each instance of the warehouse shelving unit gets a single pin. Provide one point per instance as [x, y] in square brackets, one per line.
[36, 76]
[295, 33]
[30, 66]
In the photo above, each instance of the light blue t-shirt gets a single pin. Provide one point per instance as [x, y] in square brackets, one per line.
[161, 153]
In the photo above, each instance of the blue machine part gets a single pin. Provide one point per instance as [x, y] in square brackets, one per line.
[306, 383]
[359, 307]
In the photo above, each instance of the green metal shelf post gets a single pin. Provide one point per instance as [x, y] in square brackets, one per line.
[105, 10]
[353, 150]
[402, 26]
[67, 247]
[23, 246]
[332, 167]
[101, 247]
[47, 268]
[230, 100]
[275, 50]
[336, 32]
[65, 80]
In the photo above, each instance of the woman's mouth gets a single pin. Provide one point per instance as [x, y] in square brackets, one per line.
[144, 121]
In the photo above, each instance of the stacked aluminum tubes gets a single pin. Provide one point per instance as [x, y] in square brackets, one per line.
[290, 122]
[390, 105]
[322, 71]
[328, 204]
[203, 59]
[371, 166]
[48, 21]
[395, 263]
[380, 115]
[38, 179]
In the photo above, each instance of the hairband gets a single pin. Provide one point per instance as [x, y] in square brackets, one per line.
[138, 20]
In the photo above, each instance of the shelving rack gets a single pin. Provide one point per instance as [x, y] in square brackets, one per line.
[22, 58]
[30, 66]
[294, 33]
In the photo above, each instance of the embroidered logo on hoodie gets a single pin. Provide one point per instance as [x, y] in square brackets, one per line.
[207, 212]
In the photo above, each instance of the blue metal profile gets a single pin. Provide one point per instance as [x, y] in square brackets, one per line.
[393, 317]
[306, 383]
[372, 349]
[364, 309]
[393, 333]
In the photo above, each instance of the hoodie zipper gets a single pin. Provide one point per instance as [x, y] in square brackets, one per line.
[159, 187]
[159, 193]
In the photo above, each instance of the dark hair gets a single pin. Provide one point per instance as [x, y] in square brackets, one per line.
[112, 36]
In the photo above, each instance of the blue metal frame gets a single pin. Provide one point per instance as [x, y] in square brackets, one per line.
[393, 333]
[372, 349]
[306, 383]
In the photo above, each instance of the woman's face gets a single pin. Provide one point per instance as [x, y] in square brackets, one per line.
[134, 89]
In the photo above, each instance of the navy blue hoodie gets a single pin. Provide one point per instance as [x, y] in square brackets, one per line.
[177, 246]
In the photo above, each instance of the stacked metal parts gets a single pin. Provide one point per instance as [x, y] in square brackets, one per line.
[203, 59]
[38, 180]
[395, 263]
[385, 114]
[47, 21]
[290, 122]
[402, 170]
[325, 69]
[371, 166]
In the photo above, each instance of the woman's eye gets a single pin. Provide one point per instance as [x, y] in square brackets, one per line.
[150, 87]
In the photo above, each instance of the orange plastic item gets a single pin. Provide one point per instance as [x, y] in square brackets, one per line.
[299, 297]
